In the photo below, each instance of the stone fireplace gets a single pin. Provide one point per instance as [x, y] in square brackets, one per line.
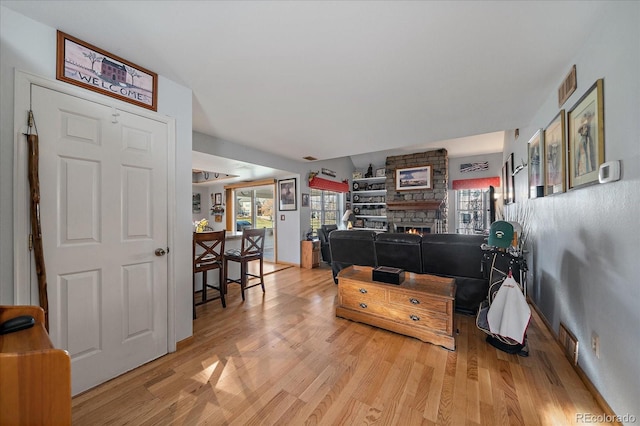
[424, 209]
[413, 229]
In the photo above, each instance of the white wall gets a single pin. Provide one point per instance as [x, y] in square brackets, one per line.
[31, 46]
[295, 225]
[585, 244]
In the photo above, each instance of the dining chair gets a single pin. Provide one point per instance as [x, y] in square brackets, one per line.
[208, 254]
[252, 248]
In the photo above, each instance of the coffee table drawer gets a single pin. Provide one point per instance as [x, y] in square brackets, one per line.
[421, 302]
[363, 290]
[422, 319]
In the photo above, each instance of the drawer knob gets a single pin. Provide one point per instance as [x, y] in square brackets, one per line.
[414, 317]
[363, 290]
[363, 305]
[414, 301]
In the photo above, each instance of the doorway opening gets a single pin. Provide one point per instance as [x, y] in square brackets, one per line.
[254, 208]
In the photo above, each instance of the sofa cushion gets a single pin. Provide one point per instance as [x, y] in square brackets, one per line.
[470, 292]
[453, 254]
[353, 247]
[399, 250]
[323, 236]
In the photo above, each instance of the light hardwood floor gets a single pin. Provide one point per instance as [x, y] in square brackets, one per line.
[284, 358]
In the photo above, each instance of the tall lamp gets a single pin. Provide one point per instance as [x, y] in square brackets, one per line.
[347, 218]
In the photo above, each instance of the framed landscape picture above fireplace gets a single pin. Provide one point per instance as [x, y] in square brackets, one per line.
[414, 178]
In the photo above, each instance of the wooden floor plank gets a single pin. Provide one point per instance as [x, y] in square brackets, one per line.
[284, 358]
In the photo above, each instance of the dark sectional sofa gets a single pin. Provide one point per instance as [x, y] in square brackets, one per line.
[450, 255]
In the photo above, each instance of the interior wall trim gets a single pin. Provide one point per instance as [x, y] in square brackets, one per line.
[606, 408]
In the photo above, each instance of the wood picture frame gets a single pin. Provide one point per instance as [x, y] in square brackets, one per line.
[554, 152]
[505, 184]
[535, 149]
[414, 178]
[287, 194]
[586, 137]
[84, 65]
[511, 184]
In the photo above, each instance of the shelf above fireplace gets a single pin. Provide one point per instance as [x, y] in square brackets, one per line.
[413, 205]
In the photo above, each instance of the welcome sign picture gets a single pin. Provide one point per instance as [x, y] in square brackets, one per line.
[87, 66]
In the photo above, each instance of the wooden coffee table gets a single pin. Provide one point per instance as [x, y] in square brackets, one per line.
[421, 307]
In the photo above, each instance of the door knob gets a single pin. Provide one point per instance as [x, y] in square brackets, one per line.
[161, 251]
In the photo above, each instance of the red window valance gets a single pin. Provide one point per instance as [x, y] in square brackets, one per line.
[328, 185]
[478, 183]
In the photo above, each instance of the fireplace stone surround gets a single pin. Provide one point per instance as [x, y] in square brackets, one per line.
[420, 209]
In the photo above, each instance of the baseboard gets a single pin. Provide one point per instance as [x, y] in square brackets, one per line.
[606, 408]
[184, 343]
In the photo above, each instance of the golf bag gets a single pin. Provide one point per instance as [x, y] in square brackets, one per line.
[498, 265]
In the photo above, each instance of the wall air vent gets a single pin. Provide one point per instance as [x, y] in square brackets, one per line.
[567, 87]
[569, 343]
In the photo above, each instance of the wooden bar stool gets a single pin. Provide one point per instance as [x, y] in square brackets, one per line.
[212, 246]
[252, 248]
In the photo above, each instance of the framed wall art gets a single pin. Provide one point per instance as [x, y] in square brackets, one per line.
[554, 153]
[414, 178]
[196, 203]
[87, 66]
[287, 190]
[505, 184]
[511, 195]
[586, 137]
[535, 150]
[304, 201]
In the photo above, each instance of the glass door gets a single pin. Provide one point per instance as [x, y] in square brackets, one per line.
[254, 208]
[472, 215]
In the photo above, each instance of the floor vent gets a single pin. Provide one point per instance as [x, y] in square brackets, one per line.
[569, 343]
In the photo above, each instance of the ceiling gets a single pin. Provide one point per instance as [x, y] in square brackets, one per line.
[331, 79]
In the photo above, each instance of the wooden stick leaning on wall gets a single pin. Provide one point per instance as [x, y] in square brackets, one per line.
[36, 229]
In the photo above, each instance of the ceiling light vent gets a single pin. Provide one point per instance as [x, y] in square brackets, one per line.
[309, 158]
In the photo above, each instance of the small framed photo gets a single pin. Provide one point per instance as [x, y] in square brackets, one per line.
[87, 66]
[536, 165]
[554, 149]
[586, 137]
[217, 199]
[304, 202]
[287, 190]
[505, 184]
[414, 178]
[381, 172]
[196, 203]
[511, 178]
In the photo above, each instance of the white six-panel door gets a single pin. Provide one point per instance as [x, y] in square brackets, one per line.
[103, 184]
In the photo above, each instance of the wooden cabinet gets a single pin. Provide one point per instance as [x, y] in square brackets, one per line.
[35, 378]
[422, 306]
[310, 254]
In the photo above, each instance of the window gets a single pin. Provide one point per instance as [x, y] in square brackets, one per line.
[472, 211]
[325, 208]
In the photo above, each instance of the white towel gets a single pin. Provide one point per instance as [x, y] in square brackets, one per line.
[509, 314]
